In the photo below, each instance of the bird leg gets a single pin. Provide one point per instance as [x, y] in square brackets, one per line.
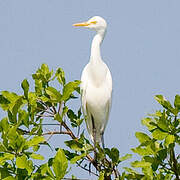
[95, 163]
[94, 131]
[102, 140]
[94, 136]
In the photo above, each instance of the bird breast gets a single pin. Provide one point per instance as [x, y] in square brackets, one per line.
[97, 91]
[97, 74]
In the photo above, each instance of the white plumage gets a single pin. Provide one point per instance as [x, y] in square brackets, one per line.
[96, 84]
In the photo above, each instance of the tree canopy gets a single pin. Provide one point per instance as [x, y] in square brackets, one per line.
[23, 134]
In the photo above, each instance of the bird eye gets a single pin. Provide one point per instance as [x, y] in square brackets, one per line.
[93, 22]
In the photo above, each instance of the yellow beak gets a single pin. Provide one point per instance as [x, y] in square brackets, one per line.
[81, 24]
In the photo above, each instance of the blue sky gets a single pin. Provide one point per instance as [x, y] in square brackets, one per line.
[141, 48]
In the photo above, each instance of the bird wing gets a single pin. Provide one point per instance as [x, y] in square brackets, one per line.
[83, 86]
[109, 87]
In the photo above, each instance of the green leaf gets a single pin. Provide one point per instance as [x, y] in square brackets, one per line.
[42, 78]
[142, 137]
[123, 158]
[70, 155]
[165, 103]
[74, 144]
[9, 178]
[11, 97]
[169, 140]
[45, 169]
[54, 94]
[75, 120]
[143, 151]
[17, 106]
[35, 141]
[71, 115]
[38, 85]
[142, 164]
[60, 76]
[101, 176]
[4, 125]
[132, 171]
[3, 100]
[58, 117]
[23, 163]
[113, 154]
[16, 141]
[148, 159]
[162, 154]
[2, 147]
[148, 172]
[60, 164]
[23, 116]
[177, 102]
[25, 86]
[77, 158]
[36, 148]
[148, 123]
[158, 134]
[37, 156]
[5, 157]
[68, 89]
[45, 72]
[162, 122]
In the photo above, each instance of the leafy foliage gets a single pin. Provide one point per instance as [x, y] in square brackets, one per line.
[23, 135]
[157, 149]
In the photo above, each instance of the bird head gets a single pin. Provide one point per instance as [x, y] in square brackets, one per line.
[96, 23]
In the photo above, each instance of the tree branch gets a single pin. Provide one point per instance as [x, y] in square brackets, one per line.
[86, 169]
[55, 132]
[74, 137]
[174, 165]
[39, 115]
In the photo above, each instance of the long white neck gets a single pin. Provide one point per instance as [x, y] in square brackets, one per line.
[95, 47]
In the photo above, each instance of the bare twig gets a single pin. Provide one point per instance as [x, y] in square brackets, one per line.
[54, 109]
[55, 132]
[60, 108]
[45, 110]
[50, 124]
[40, 115]
[74, 137]
[86, 169]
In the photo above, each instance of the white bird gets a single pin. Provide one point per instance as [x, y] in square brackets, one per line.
[96, 84]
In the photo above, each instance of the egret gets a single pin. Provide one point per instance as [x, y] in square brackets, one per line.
[96, 84]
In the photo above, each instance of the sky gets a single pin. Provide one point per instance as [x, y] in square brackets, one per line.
[141, 48]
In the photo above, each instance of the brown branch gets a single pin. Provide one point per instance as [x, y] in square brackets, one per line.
[60, 107]
[74, 137]
[39, 115]
[44, 105]
[54, 109]
[68, 130]
[86, 169]
[174, 165]
[45, 110]
[50, 124]
[70, 133]
[55, 132]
